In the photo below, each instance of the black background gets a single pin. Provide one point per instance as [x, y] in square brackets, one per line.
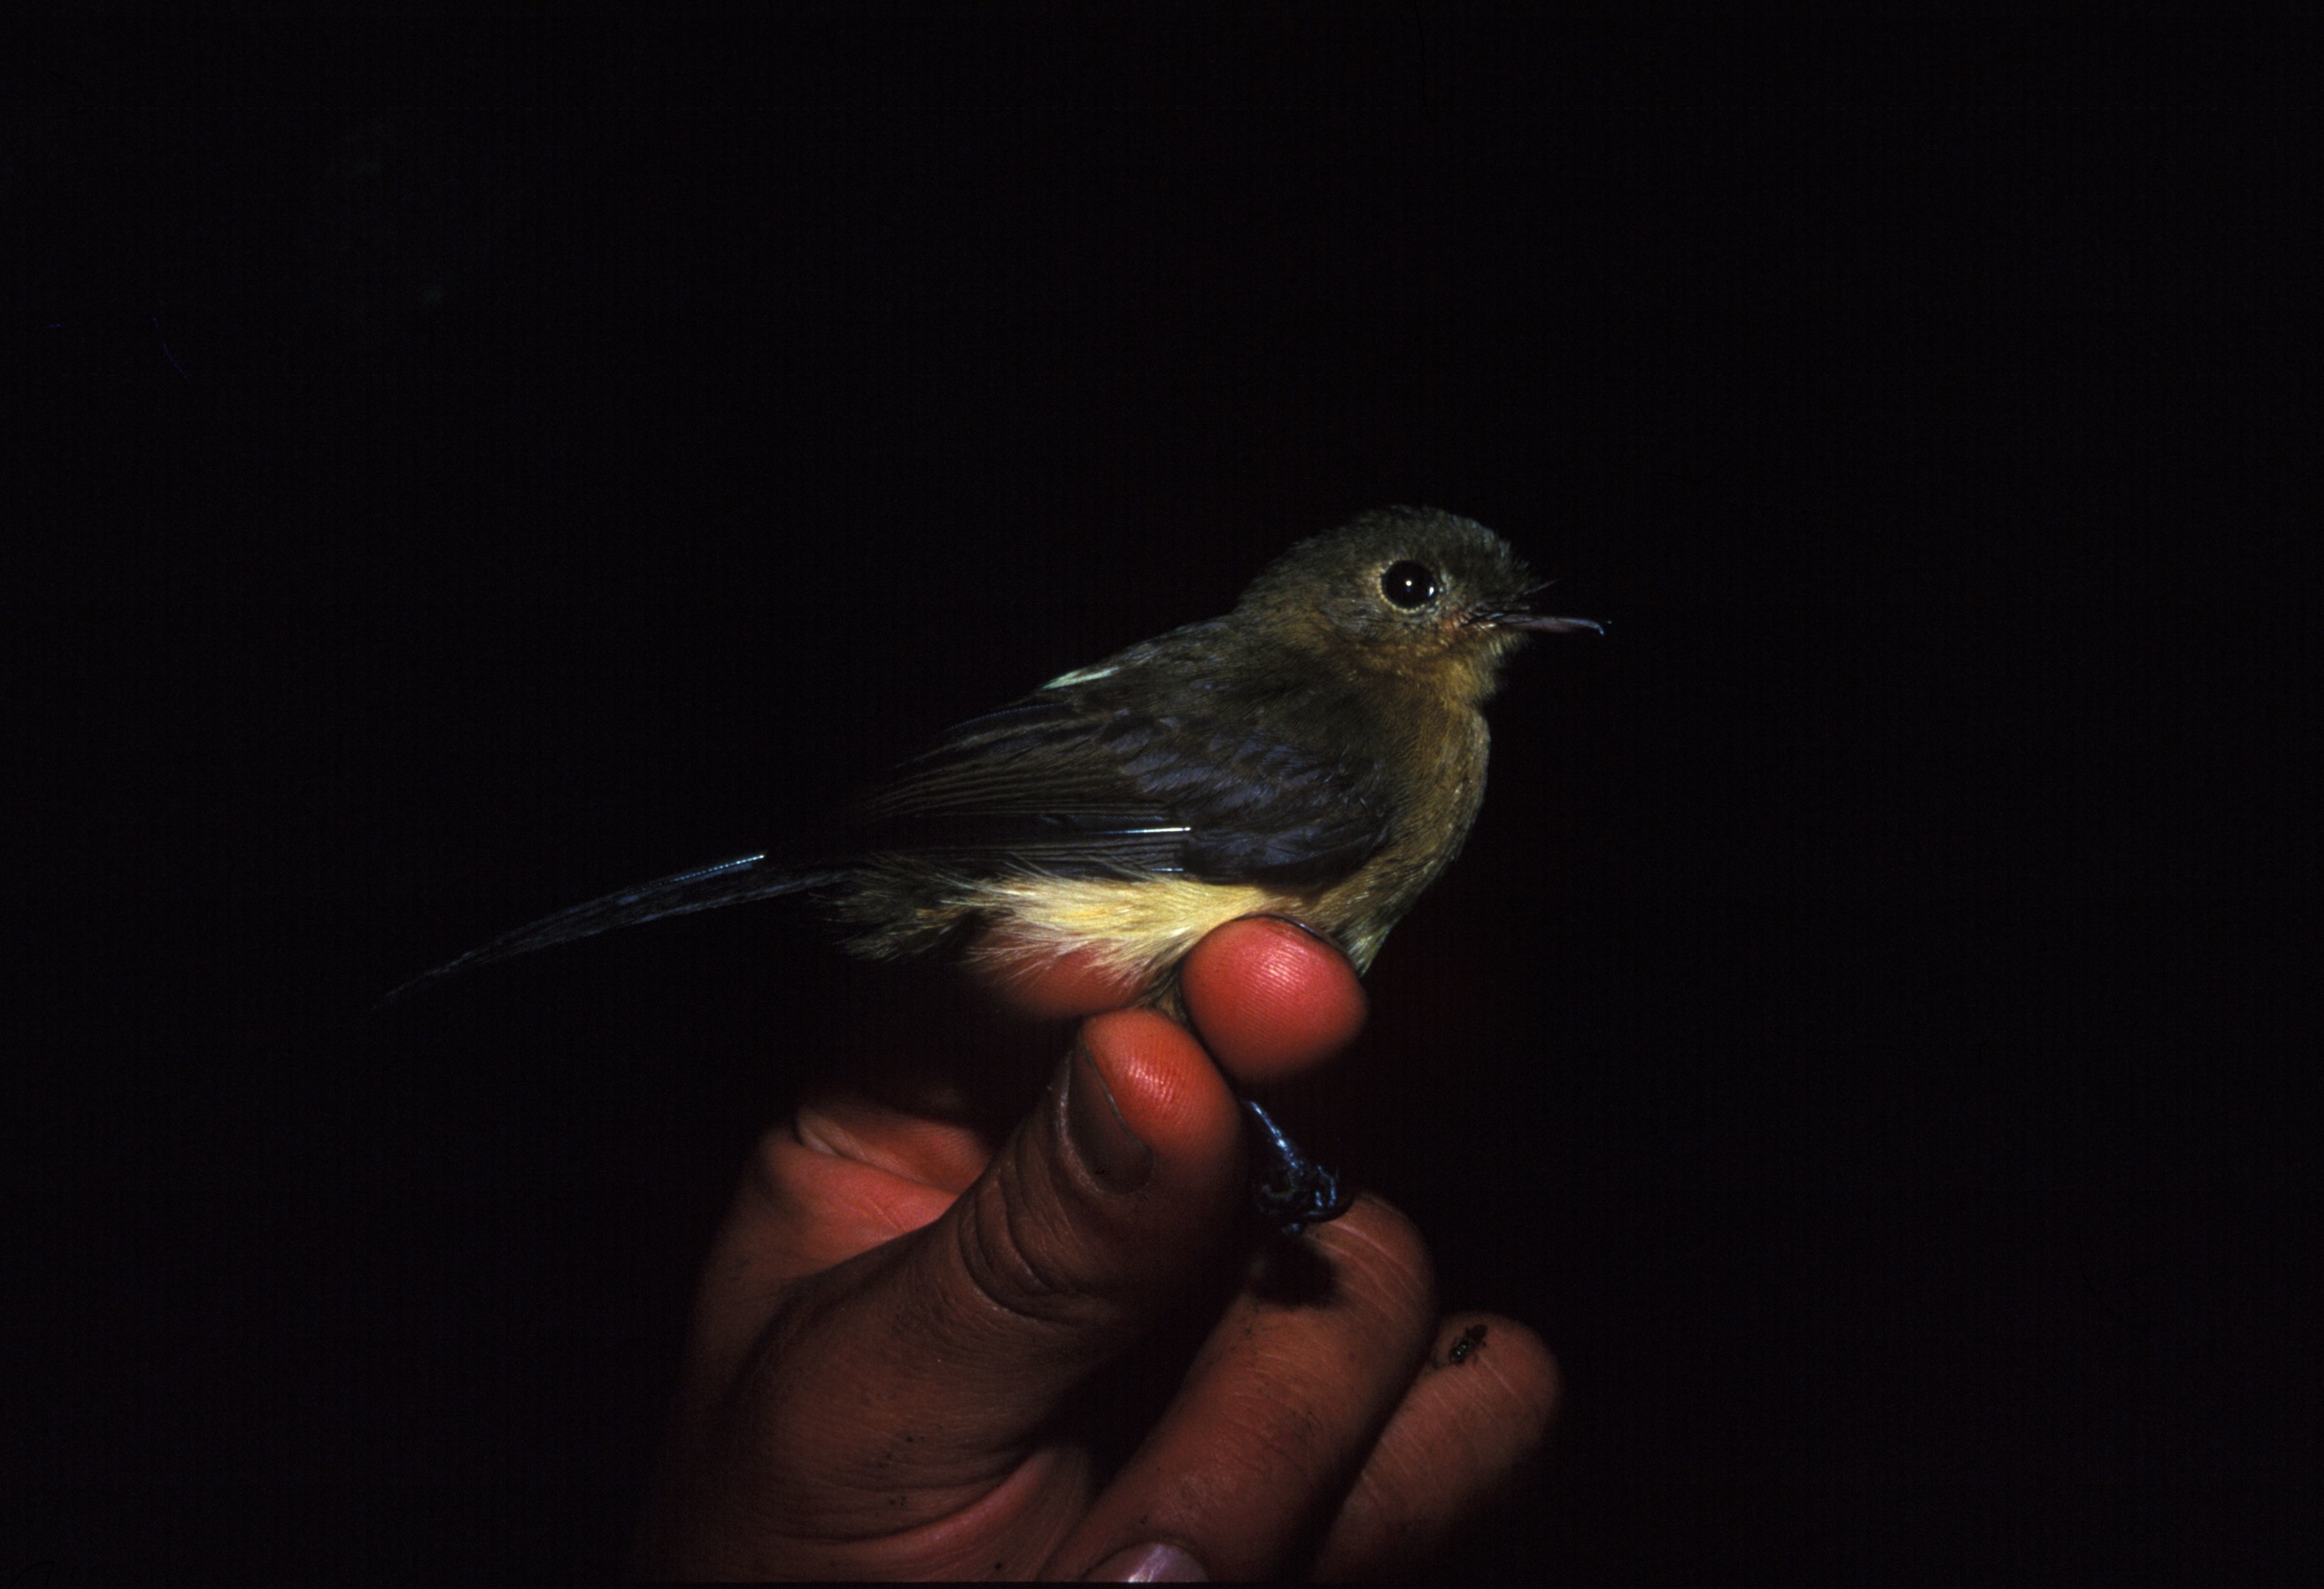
[461, 468]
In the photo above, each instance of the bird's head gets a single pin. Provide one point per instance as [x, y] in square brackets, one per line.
[1417, 594]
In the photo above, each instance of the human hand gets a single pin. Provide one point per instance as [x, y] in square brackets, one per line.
[915, 1354]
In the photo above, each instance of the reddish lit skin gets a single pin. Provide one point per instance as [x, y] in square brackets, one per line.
[896, 1309]
[1270, 1001]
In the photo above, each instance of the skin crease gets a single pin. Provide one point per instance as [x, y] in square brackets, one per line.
[898, 1323]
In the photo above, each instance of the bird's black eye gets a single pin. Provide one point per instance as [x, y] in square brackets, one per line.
[1409, 584]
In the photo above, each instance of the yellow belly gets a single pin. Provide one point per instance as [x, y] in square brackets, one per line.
[1137, 930]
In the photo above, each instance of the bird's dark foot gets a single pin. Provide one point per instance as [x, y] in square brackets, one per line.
[1290, 1191]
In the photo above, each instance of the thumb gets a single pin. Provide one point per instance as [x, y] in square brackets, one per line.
[960, 1340]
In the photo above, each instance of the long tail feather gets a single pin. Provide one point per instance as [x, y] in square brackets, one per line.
[730, 882]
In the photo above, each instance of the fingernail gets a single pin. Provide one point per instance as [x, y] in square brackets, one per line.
[1149, 1563]
[1317, 933]
[1106, 1144]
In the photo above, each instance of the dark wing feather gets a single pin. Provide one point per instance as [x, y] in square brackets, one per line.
[1090, 779]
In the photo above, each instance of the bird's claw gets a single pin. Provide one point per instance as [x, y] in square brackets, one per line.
[1290, 1191]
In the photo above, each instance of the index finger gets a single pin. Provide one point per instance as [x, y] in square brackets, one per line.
[1269, 999]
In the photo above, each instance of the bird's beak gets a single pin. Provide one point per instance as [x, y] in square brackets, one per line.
[1534, 623]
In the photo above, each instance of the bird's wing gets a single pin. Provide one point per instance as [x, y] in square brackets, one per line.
[1093, 782]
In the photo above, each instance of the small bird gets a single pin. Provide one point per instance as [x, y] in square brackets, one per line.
[1317, 753]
